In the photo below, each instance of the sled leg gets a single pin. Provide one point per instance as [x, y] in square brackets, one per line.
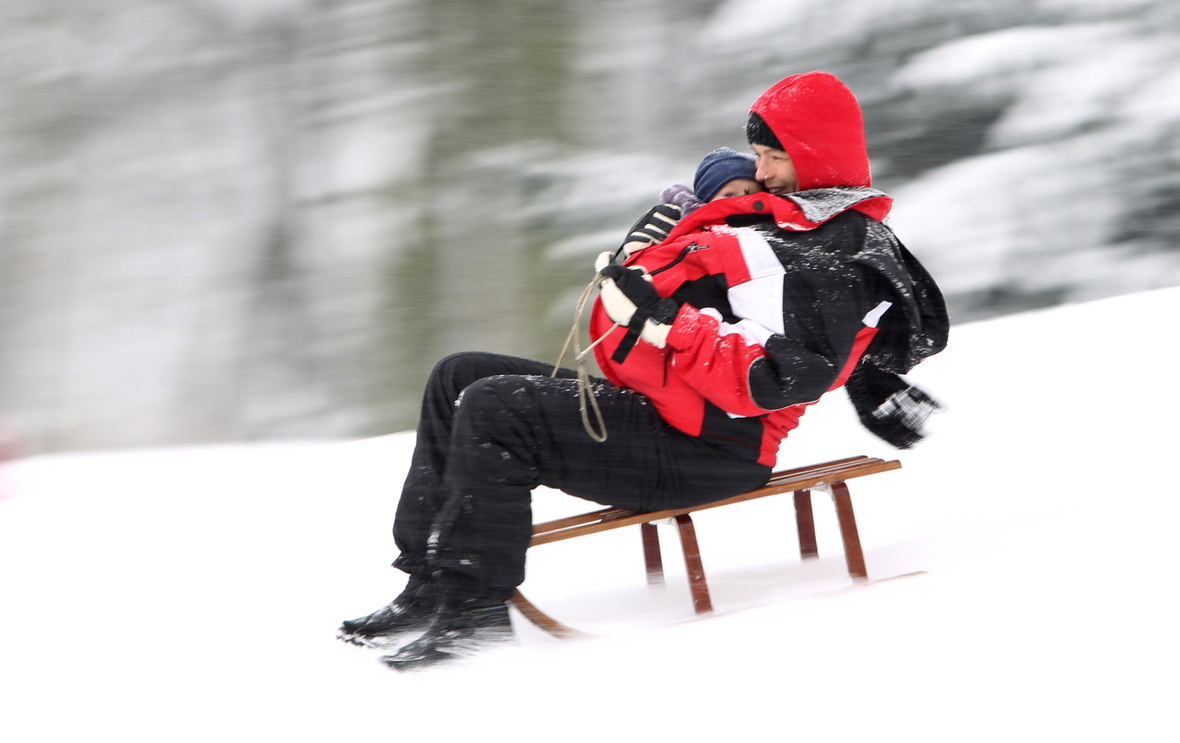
[651, 555]
[852, 550]
[692, 562]
[806, 525]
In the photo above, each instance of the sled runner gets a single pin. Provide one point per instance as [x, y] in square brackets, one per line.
[801, 480]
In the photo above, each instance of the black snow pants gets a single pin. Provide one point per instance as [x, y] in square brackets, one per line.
[494, 427]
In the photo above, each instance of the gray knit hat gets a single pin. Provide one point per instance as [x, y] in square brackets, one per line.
[720, 167]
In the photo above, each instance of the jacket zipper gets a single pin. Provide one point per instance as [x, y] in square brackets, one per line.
[683, 253]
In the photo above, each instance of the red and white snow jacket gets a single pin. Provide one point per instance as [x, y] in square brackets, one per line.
[773, 313]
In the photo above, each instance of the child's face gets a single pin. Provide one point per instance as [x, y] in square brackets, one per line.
[737, 187]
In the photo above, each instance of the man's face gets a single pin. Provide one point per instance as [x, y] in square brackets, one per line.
[775, 169]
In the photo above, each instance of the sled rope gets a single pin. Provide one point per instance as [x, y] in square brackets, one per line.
[586, 398]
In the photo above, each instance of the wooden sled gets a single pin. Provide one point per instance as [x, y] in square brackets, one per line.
[801, 481]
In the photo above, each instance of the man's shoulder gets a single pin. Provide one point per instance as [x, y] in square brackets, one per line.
[836, 217]
[822, 204]
[842, 234]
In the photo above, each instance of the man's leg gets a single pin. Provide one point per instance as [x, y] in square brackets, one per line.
[422, 494]
[512, 433]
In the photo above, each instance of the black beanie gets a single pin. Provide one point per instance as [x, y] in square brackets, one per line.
[757, 132]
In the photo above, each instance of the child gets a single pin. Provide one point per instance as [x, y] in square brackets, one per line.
[722, 174]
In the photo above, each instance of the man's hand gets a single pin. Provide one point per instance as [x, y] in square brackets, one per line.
[618, 307]
[636, 287]
[651, 229]
[629, 299]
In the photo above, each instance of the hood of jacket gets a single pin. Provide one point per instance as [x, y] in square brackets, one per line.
[802, 210]
[818, 122]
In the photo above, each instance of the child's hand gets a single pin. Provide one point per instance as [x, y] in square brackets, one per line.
[651, 229]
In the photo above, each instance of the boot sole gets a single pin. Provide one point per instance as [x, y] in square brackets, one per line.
[379, 641]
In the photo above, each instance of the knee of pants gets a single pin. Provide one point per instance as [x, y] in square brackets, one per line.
[456, 363]
[503, 412]
[493, 399]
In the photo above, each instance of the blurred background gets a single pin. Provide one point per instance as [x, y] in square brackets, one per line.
[258, 219]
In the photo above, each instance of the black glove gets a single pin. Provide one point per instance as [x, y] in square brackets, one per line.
[651, 229]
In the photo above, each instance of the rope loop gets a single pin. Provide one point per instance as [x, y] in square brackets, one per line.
[586, 399]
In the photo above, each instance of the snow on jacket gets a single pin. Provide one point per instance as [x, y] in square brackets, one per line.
[781, 295]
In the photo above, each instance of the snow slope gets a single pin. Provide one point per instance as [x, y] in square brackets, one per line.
[193, 594]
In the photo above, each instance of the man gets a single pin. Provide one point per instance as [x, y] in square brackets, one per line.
[716, 341]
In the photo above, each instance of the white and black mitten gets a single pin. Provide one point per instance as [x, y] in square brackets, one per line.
[651, 229]
[630, 299]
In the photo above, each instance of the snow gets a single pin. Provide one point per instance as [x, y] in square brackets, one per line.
[193, 594]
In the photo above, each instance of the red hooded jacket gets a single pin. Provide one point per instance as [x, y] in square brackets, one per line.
[818, 122]
[778, 300]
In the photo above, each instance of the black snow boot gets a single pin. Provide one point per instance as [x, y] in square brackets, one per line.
[468, 619]
[411, 611]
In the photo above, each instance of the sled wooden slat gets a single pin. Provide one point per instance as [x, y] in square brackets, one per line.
[800, 480]
[585, 518]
